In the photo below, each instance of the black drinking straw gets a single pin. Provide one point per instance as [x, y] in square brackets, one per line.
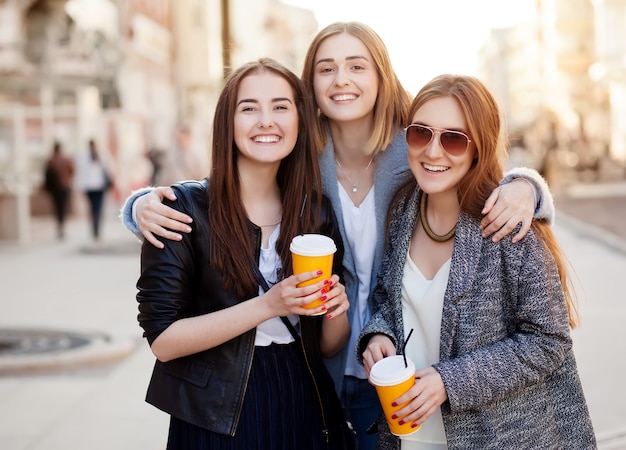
[301, 214]
[406, 341]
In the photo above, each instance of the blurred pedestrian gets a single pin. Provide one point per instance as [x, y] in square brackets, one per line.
[491, 320]
[58, 179]
[155, 156]
[94, 179]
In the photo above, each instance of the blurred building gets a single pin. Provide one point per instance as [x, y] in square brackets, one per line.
[128, 73]
[147, 89]
[211, 34]
[610, 68]
[270, 28]
[72, 71]
[540, 72]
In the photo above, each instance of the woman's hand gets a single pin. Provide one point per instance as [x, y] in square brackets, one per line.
[507, 206]
[155, 218]
[424, 397]
[335, 327]
[378, 347]
[287, 298]
[335, 298]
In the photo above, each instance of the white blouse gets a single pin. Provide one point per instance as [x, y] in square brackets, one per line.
[272, 330]
[360, 225]
[422, 306]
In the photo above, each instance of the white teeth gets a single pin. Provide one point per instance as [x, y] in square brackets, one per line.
[435, 168]
[342, 97]
[266, 139]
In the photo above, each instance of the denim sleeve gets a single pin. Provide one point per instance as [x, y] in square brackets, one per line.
[127, 215]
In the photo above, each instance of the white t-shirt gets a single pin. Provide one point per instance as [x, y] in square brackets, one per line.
[272, 330]
[360, 225]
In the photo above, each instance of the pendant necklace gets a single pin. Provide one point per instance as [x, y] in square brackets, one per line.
[355, 184]
[431, 234]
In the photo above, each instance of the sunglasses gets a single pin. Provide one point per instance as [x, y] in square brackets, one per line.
[453, 142]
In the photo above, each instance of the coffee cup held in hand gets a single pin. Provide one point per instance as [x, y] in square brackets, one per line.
[312, 252]
[392, 379]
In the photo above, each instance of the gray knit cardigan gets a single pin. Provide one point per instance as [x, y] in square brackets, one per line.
[506, 356]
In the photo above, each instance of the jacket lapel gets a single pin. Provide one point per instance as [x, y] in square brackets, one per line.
[467, 251]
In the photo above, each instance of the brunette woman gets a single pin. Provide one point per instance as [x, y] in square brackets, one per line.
[238, 353]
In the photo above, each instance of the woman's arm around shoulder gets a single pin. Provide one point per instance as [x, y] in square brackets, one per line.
[145, 214]
[544, 201]
[523, 196]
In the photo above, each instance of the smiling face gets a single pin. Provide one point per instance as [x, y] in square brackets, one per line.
[266, 119]
[345, 79]
[437, 171]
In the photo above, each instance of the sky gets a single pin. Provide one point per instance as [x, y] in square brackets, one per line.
[425, 37]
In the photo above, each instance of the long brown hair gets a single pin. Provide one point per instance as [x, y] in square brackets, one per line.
[485, 128]
[232, 251]
[392, 102]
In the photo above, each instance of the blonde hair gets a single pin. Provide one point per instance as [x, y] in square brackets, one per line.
[392, 102]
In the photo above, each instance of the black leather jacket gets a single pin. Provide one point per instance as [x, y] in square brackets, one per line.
[207, 388]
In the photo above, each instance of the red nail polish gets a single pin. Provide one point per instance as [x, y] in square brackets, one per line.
[413, 425]
[319, 272]
[401, 422]
[394, 404]
[323, 298]
[329, 316]
[327, 282]
[393, 416]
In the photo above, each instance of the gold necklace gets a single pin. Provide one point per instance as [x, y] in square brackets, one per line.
[355, 184]
[431, 234]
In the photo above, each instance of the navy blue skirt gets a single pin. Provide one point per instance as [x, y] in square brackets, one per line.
[280, 409]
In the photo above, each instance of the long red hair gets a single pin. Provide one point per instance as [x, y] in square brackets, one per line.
[488, 136]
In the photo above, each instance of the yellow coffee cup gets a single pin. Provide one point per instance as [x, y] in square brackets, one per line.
[392, 379]
[311, 252]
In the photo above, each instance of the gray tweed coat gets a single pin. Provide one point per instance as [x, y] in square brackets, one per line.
[506, 354]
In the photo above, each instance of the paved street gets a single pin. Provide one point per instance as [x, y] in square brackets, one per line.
[600, 205]
[74, 285]
[98, 404]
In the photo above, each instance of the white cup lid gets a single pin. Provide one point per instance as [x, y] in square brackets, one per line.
[312, 245]
[391, 370]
